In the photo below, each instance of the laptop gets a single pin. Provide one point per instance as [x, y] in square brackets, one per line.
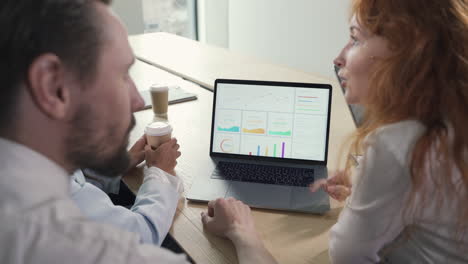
[269, 141]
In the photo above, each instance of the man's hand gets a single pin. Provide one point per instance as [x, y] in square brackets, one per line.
[338, 186]
[164, 157]
[230, 218]
[137, 152]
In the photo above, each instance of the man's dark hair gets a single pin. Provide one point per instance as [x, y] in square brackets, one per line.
[67, 28]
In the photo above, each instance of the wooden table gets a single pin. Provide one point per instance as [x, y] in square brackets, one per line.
[290, 237]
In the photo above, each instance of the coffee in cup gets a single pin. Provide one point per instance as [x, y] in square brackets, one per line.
[160, 99]
[158, 133]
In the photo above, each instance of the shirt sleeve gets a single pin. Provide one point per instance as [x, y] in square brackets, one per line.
[107, 184]
[372, 217]
[152, 214]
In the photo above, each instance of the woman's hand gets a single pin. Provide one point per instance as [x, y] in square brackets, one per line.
[338, 186]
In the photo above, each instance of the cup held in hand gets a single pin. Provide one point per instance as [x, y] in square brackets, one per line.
[158, 133]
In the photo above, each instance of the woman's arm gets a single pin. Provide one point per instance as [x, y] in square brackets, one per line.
[372, 217]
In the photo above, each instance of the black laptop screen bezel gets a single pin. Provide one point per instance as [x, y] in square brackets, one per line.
[271, 83]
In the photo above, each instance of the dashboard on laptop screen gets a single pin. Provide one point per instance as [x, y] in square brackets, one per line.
[271, 121]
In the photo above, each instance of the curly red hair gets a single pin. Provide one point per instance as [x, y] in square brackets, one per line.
[425, 79]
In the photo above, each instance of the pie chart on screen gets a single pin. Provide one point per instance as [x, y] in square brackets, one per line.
[227, 145]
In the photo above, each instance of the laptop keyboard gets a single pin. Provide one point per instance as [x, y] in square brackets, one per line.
[264, 174]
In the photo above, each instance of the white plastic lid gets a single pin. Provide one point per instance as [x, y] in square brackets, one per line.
[158, 129]
[159, 88]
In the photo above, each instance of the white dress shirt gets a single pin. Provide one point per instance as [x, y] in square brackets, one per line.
[152, 213]
[370, 227]
[40, 223]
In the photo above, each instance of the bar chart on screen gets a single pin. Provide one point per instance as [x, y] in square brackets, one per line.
[268, 121]
[265, 146]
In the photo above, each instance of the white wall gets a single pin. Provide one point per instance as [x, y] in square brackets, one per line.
[303, 34]
[213, 22]
[131, 14]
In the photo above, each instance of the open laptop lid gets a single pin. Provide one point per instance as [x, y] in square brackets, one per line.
[271, 121]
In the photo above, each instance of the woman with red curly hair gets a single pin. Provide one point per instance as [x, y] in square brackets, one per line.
[407, 64]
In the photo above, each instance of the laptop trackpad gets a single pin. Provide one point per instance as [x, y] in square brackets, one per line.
[261, 195]
[305, 200]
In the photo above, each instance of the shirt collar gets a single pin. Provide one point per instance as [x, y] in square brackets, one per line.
[78, 177]
[28, 177]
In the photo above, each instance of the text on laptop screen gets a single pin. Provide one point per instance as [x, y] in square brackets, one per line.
[271, 121]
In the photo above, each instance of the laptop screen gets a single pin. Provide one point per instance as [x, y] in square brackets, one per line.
[271, 119]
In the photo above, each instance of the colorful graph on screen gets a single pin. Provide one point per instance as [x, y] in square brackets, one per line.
[254, 131]
[308, 103]
[268, 121]
[226, 142]
[279, 133]
[311, 102]
[229, 129]
[278, 151]
[229, 121]
[227, 145]
[254, 122]
[280, 124]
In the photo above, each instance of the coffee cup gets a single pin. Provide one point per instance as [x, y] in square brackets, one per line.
[160, 99]
[158, 133]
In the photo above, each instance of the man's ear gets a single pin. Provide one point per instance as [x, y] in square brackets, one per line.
[47, 85]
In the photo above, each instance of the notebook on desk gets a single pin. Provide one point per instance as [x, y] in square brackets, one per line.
[269, 141]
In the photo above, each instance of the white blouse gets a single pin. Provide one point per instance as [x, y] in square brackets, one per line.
[370, 227]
